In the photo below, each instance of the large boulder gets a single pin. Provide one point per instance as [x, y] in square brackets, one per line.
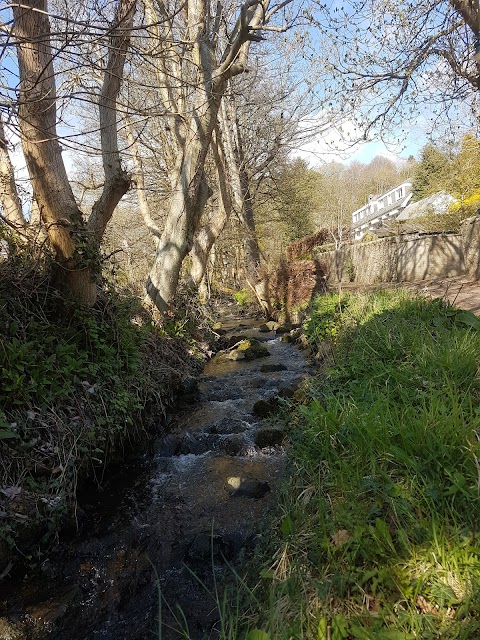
[248, 350]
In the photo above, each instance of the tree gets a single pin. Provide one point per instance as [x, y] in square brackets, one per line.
[74, 242]
[392, 61]
[463, 181]
[193, 78]
[431, 172]
[9, 198]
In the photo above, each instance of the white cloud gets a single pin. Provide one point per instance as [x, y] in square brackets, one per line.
[343, 144]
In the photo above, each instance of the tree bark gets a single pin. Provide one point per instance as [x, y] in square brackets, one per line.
[212, 228]
[38, 127]
[9, 198]
[189, 197]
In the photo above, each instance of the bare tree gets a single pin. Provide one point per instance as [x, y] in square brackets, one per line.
[392, 62]
[193, 77]
[75, 243]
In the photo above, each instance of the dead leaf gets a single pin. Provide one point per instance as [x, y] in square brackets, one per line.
[340, 537]
[425, 606]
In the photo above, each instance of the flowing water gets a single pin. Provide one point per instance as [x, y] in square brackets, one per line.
[173, 523]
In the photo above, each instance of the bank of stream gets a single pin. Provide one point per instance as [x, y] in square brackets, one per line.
[171, 522]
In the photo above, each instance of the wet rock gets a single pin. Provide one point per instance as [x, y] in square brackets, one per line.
[294, 336]
[231, 341]
[197, 443]
[246, 487]
[287, 392]
[207, 545]
[270, 368]
[236, 355]
[233, 445]
[283, 328]
[204, 545]
[229, 425]
[169, 446]
[258, 382]
[268, 326]
[265, 408]
[269, 437]
[248, 350]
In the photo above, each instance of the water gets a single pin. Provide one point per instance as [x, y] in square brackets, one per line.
[168, 511]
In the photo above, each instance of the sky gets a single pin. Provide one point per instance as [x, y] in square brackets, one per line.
[340, 145]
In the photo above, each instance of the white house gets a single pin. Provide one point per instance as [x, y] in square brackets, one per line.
[381, 208]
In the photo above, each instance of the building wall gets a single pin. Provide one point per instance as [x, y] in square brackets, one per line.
[406, 259]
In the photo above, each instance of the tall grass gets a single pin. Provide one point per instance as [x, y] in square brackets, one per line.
[376, 536]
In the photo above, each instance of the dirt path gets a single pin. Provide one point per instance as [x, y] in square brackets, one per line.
[461, 292]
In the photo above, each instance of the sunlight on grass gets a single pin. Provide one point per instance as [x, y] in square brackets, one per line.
[376, 535]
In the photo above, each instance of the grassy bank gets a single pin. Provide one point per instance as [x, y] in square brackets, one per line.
[78, 387]
[377, 531]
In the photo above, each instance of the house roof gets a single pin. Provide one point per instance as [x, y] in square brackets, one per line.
[438, 203]
[376, 212]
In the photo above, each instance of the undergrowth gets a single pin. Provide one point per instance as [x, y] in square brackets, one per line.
[77, 387]
[377, 532]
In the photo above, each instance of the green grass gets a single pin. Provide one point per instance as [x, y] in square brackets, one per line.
[376, 535]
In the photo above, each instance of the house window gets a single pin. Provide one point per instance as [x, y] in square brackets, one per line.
[399, 193]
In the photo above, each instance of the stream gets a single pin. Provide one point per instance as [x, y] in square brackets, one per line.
[173, 522]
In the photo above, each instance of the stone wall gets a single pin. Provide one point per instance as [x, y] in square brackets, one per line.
[406, 259]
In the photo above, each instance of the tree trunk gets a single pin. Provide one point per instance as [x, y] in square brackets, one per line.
[211, 229]
[9, 198]
[176, 240]
[243, 204]
[43, 154]
[38, 119]
[187, 204]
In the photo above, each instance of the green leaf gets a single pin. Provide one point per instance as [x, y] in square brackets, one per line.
[286, 526]
[339, 628]
[267, 574]
[360, 633]
[468, 319]
[323, 628]
[6, 434]
[257, 634]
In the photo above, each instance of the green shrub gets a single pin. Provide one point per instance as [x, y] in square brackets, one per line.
[243, 297]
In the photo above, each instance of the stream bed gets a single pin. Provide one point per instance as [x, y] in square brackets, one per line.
[173, 522]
